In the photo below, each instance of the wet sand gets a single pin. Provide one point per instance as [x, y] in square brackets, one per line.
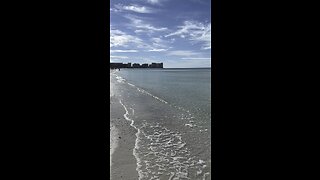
[113, 141]
[122, 141]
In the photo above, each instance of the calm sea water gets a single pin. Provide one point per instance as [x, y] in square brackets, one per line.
[171, 109]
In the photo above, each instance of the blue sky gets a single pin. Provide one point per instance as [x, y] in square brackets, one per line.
[175, 32]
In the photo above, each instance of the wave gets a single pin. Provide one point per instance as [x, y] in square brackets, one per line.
[122, 80]
[137, 139]
[160, 152]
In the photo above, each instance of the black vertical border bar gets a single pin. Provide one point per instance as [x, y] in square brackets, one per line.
[106, 60]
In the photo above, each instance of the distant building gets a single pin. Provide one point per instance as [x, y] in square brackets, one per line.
[116, 65]
[144, 65]
[156, 65]
[135, 65]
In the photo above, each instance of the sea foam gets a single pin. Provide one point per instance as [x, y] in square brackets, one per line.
[161, 153]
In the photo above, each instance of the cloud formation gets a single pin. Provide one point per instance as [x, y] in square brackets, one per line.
[157, 50]
[121, 39]
[133, 8]
[123, 51]
[153, 1]
[141, 26]
[119, 57]
[140, 33]
[182, 53]
[197, 58]
[196, 32]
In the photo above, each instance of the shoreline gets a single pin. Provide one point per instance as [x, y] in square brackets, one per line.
[123, 163]
[113, 141]
[171, 142]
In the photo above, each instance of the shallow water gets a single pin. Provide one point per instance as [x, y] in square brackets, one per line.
[171, 110]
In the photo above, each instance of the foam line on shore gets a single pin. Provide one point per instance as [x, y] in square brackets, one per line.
[122, 80]
[137, 140]
[160, 152]
[167, 149]
[146, 92]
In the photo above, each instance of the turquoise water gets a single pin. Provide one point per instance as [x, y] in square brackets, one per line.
[171, 109]
[188, 88]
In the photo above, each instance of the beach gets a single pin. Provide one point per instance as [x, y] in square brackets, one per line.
[157, 131]
[122, 141]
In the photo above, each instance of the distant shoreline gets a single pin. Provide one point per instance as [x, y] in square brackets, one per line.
[165, 68]
[191, 68]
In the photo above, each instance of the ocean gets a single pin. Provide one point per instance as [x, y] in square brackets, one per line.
[171, 111]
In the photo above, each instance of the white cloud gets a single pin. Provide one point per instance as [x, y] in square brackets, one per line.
[158, 50]
[182, 53]
[114, 10]
[153, 1]
[139, 31]
[122, 51]
[121, 39]
[159, 43]
[119, 57]
[196, 32]
[156, 2]
[197, 58]
[141, 26]
[134, 8]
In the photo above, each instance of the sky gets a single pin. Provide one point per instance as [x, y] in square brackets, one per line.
[175, 32]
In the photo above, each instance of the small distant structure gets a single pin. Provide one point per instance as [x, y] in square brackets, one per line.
[135, 65]
[144, 66]
[116, 65]
[156, 65]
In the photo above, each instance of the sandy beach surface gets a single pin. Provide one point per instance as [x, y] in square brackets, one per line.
[122, 141]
